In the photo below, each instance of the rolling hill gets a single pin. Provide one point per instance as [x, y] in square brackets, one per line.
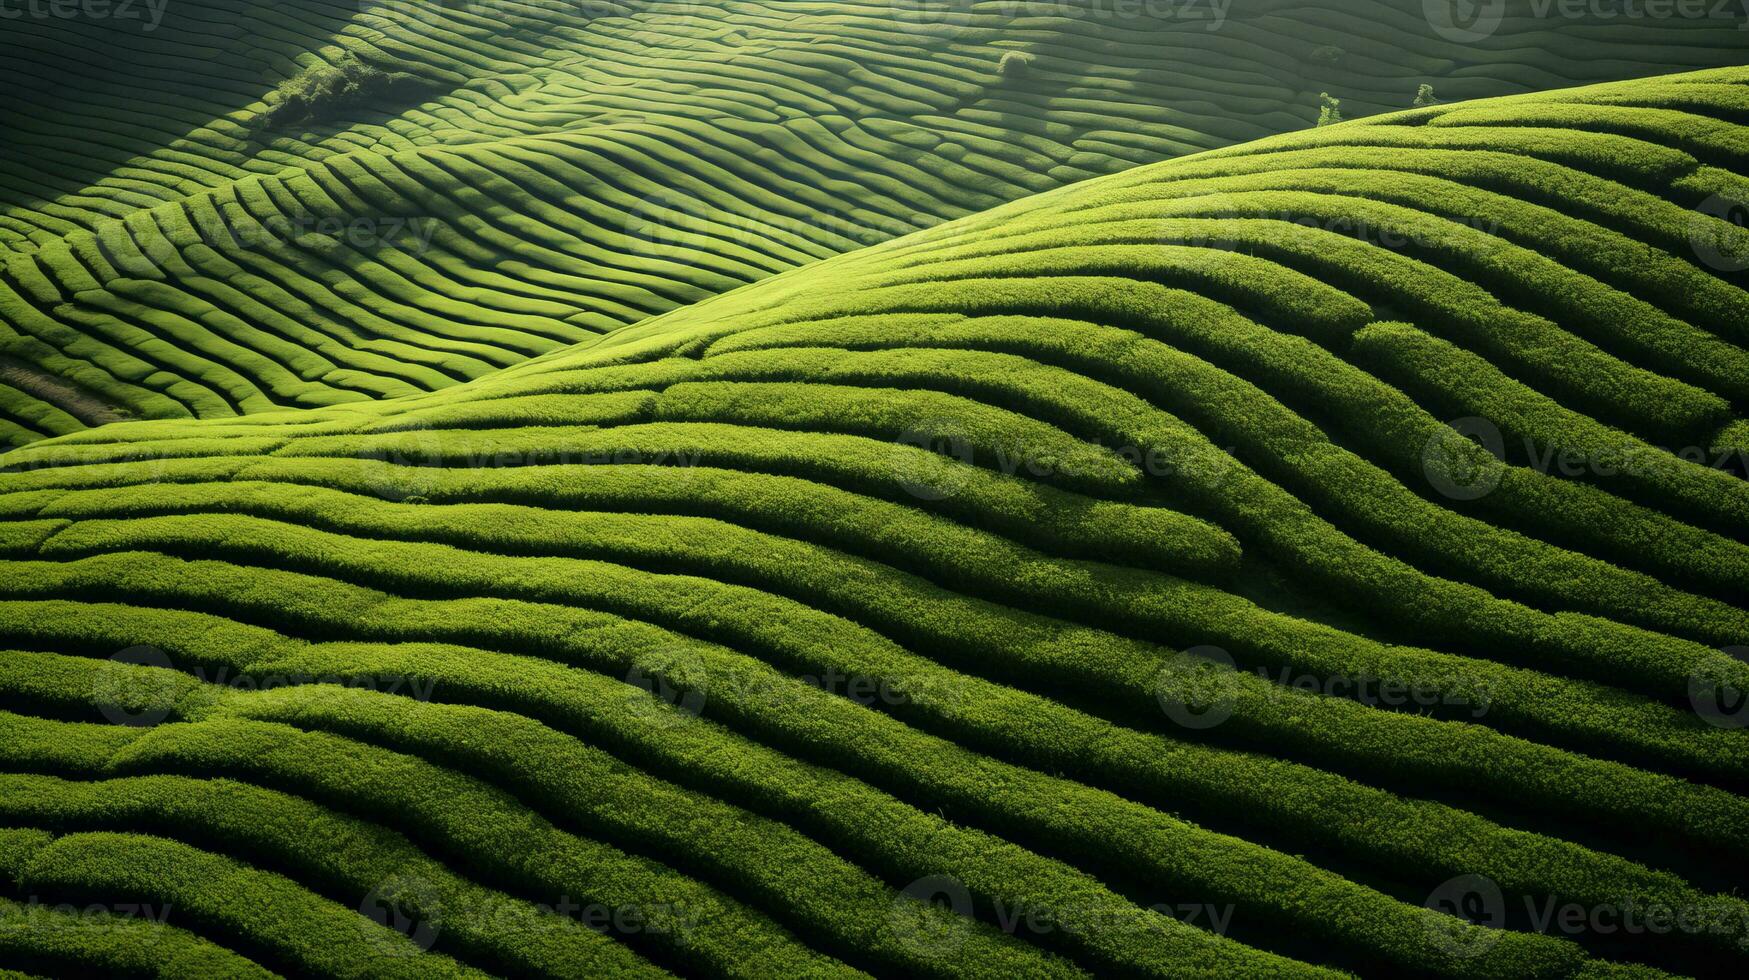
[212, 208]
[1232, 566]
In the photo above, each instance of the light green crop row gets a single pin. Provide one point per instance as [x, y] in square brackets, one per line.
[1388, 425]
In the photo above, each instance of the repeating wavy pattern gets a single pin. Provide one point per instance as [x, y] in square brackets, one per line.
[554, 169]
[1036, 557]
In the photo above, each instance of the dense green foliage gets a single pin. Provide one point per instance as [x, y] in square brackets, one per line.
[1197, 571]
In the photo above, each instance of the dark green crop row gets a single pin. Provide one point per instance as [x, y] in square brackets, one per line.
[347, 858]
[259, 908]
[800, 881]
[753, 692]
[1036, 651]
[881, 831]
[480, 828]
[63, 940]
[1381, 829]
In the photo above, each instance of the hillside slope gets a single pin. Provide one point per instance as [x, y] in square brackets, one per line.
[470, 184]
[1118, 569]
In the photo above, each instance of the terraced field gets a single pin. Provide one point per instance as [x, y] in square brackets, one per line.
[1325, 554]
[212, 208]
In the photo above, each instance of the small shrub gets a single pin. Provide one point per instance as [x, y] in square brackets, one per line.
[1329, 109]
[1015, 65]
[320, 92]
[1328, 54]
[1424, 97]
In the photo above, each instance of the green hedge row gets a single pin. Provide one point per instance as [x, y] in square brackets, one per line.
[62, 941]
[348, 859]
[798, 714]
[1367, 826]
[882, 832]
[1440, 372]
[481, 828]
[800, 882]
[219, 895]
[1384, 424]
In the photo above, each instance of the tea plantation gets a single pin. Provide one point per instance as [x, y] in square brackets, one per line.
[256, 205]
[1293, 551]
